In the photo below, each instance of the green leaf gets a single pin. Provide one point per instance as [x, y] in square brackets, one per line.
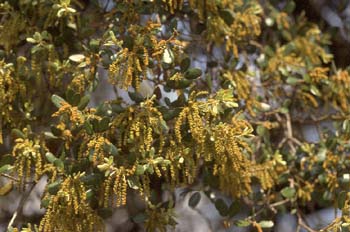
[94, 45]
[170, 114]
[49, 135]
[164, 126]
[178, 84]
[140, 170]
[105, 212]
[57, 100]
[168, 56]
[264, 106]
[84, 101]
[36, 49]
[261, 131]
[266, 224]
[6, 159]
[2, 54]
[60, 12]
[150, 169]
[94, 122]
[287, 35]
[167, 102]
[45, 35]
[69, 95]
[37, 36]
[110, 149]
[31, 40]
[227, 15]
[76, 98]
[193, 73]
[5, 168]
[183, 83]
[128, 42]
[88, 128]
[136, 97]
[171, 84]
[314, 90]
[235, 207]
[54, 187]
[139, 218]
[284, 110]
[89, 194]
[6, 188]
[18, 133]
[45, 203]
[133, 182]
[242, 223]
[91, 179]
[117, 108]
[185, 64]
[292, 80]
[321, 155]
[288, 192]
[77, 58]
[103, 124]
[50, 157]
[212, 64]
[341, 199]
[59, 164]
[327, 196]
[290, 7]
[269, 21]
[322, 178]
[173, 24]
[158, 160]
[345, 227]
[55, 131]
[194, 199]
[346, 178]
[221, 206]
[103, 167]
[306, 78]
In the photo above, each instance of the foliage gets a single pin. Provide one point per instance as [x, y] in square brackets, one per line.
[235, 124]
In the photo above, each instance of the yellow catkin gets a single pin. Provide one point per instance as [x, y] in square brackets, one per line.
[157, 170]
[123, 191]
[129, 67]
[309, 98]
[68, 209]
[107, 185]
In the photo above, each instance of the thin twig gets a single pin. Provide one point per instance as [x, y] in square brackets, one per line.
[20, 206]
[335, 221]
[296, 141]
[280, 203]
[106, 6]
[289, 127]
[271, 206]
[9, 177]
[303, 224]
[280, 144]
[314, 119]
[14, 178]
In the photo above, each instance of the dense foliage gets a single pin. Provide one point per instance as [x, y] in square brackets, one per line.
[235, 124]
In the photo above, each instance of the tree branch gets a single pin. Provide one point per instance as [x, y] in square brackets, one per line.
[19, 209]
